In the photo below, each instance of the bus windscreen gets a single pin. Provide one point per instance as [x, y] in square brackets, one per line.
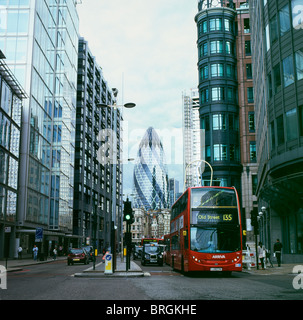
[213, 197]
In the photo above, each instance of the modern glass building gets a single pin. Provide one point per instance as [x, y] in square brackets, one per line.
[277, 50]
[98, 185]
[150, 174]
[11, 95]
[40, 41]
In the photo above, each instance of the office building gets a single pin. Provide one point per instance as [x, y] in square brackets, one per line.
[98, 185]
[150, 174]
[11, 96]
[277, 51]
[40, 41]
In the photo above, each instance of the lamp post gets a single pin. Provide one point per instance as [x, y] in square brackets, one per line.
[129, 105]
[200, 161]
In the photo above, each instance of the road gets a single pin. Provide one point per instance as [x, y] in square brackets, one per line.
[56, 281]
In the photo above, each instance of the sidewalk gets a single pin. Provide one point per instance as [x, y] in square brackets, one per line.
[275, 270]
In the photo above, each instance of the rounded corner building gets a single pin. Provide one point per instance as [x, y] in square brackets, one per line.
[150, 174]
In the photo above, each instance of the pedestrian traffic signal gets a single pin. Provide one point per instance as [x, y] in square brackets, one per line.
[254, 220]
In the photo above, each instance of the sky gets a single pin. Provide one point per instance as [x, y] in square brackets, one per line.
[147, 50]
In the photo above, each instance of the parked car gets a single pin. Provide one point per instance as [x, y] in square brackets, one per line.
[152, 253]
[90, 252]
[137, 252]
[77, 255]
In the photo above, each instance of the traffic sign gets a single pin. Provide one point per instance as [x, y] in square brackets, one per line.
[39, 235]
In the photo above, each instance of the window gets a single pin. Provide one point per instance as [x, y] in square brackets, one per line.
[228, 47]
[277, 77]
[204, 49]
[217, 94]
[205, 123]
[280, 130]
[297, 20]
[254, 181]
[216, 46]
[267, 37]
[284, 20]
[273, 30]
[219, 122]
[217, 70]
[204, 95]
[246, 26]
[229, 71]
[272, 135]
[250, 94]
[247, 48]
[249, 71]
[251, 121]
[299, 64]
[234, 153]
[253, 151]
[215, 24]
[288, 71]
[269, 86]
[227, 25]
[220, 152]
[204, 72]
[291, 124]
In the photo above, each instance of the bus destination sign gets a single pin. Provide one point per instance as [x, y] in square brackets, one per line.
[211, 217]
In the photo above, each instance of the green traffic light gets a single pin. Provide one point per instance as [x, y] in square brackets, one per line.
[127, 217]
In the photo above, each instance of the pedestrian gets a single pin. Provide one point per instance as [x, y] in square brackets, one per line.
[55, 253]
[35, 252]
[20, 252]
[278, 251]
[261, 254]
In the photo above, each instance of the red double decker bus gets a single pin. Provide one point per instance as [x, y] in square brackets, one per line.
[205, 230]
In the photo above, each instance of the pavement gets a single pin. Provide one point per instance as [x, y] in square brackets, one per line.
[12, 265]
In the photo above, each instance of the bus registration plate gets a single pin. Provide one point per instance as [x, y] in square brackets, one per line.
[215, 269]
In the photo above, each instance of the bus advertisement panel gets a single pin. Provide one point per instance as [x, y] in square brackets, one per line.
[206, 232]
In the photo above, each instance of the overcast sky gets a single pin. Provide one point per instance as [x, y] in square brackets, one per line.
[147, 50]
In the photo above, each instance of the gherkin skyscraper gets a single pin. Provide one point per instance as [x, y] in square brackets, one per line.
[150, 174]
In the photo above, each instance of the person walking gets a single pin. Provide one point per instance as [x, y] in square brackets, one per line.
[55, 253]
[35, 252]
[278, 251]
[20, 252]
[261, 254]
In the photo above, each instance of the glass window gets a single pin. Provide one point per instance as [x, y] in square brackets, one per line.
[251, 121]
[219, 122]
[204, 95]
[267, 37]
[217, 94]
[250, 94]
[299, 64]
[217, 70]
[253, 151]
[280, 130]
[272, 134]
[249, 71]
[216, 46]
[291, 124]
[284, 20]
[269, 85]
[204, 72]
[288, 71]
[220, 152]
[297, 14]
[277, 77]
[228, 47]
[227, 25]
[215, 24]
[247, 48]
[234, 153]
[273, 29]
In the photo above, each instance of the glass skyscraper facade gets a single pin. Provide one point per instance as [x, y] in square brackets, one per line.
[150, 174]
[40, 41]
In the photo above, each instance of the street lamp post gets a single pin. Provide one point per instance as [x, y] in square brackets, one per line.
[114, 163]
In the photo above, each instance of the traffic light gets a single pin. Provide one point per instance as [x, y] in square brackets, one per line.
[128, 215]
